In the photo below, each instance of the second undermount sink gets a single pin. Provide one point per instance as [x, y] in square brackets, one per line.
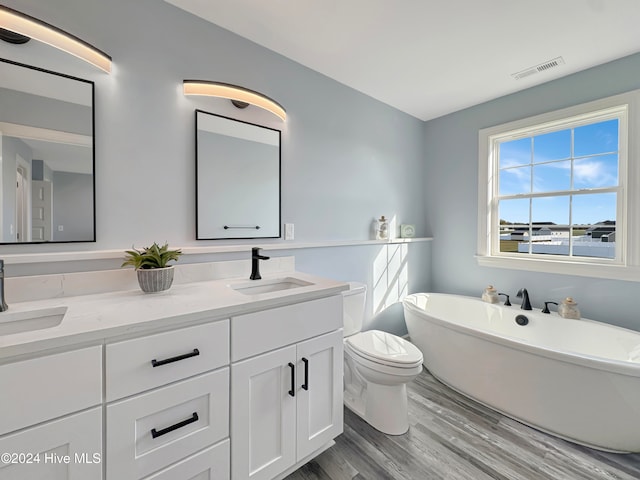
[30, 320]
[269, 285]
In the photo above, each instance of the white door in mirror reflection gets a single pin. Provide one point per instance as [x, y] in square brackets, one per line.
[23, 201]
[42, 211]
[237, 179]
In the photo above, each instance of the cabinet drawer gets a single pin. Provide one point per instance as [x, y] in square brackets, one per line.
[44, 388]
[184, 418]
[210, 464]
[77, 437]
[177, 354]
[260, 332]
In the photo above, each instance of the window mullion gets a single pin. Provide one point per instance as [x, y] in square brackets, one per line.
[571, 184]
[531, 147]
[560, 193]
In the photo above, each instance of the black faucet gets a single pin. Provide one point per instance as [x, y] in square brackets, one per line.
[546, 307]
[506, 302]
[255, 263]
[3, 304]
[522, 293]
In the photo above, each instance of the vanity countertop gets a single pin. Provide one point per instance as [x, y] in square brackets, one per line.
[119, 314]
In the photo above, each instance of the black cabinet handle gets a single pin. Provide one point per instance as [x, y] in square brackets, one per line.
[292, 392]
[157, 363]
[157, 433]
[305, 385]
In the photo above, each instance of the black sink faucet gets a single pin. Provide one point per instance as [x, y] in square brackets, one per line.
[522, 293]
[3, 304]
[255, 263]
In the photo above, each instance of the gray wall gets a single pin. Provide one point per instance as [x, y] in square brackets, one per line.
[41, 171]
[43, 112]
[451, 144]
[388, 270]
[72, 206]
[11, 147]
[346, 158]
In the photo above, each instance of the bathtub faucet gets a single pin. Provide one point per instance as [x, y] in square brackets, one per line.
[522, 293]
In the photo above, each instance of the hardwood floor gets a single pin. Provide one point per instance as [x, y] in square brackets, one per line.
[452, 437]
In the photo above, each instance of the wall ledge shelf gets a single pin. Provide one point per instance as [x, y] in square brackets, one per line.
[46, 257]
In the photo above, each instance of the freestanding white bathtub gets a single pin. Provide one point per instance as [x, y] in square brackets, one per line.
[576, 379]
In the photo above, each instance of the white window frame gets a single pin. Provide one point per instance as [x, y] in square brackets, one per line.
[626, 265]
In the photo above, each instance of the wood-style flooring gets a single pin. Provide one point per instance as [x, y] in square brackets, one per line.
[452, 437]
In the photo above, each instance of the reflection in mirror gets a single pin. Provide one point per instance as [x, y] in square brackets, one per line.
[237, 179]
[47, 156]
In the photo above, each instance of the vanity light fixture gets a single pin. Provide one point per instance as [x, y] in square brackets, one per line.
[26, 26]
[237, 95]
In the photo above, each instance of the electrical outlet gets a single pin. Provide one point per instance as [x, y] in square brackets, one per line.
[288, 231]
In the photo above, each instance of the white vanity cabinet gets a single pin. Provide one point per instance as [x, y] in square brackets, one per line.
[203, 383]
[168, 398]
[51, 419]
[287, 402]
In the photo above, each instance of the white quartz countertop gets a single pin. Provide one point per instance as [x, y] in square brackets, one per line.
[107, 316]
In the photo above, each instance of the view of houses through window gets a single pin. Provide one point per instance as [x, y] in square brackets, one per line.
[558, 189]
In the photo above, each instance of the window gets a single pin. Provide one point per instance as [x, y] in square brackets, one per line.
[555, 191]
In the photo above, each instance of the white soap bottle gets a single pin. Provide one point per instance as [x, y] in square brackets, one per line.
[569, 309]
[490, 295]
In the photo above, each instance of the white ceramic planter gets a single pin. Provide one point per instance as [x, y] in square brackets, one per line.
[153, 280]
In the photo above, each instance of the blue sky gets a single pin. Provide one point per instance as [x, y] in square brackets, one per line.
[545, 164]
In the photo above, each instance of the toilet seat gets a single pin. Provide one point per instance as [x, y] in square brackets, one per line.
[384, 349]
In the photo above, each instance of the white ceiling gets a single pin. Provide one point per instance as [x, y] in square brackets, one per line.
[427, 57]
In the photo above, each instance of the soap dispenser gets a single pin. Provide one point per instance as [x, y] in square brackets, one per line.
[490, 295]
[569, 309]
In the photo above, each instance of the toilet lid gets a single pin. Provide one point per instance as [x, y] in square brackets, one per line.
[383, 347]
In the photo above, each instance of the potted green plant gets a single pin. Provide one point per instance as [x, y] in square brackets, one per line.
[151, 264]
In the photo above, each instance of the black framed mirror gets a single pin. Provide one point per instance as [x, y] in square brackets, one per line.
[237, 179]
[47, 186]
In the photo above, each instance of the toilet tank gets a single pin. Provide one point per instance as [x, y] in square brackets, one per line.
[353, 302]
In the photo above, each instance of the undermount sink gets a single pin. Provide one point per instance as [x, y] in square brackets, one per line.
[30, 320]
[256, 287]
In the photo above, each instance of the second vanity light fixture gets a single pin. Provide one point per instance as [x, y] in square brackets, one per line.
[16, 22]
[238, 95]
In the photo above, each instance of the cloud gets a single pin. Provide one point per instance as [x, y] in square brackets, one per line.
[589, 172]
[515, 160]
[593, 173]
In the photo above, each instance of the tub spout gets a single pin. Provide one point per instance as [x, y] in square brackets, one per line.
[522, 293]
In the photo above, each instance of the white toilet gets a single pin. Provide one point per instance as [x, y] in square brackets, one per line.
[377, 368]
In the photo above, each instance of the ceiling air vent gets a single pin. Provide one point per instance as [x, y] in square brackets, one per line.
[543, 67]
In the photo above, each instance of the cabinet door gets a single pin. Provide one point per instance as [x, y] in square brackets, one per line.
[263, 422]
[320, 413]
[66, 449]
